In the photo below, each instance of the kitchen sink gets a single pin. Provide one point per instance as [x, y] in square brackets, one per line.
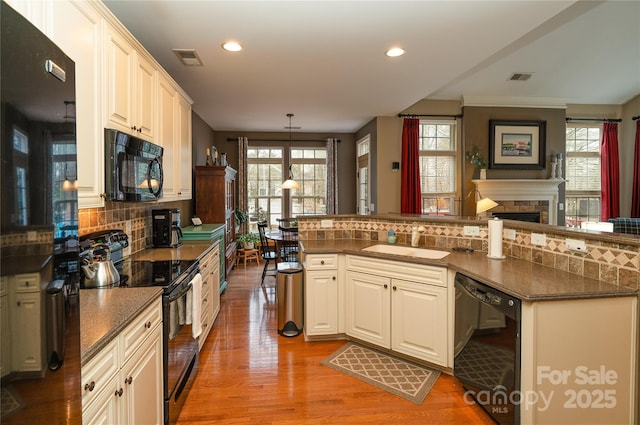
[432, 254]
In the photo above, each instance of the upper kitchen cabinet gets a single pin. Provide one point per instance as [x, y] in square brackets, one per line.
[130, 87]
[174, 134]
[77, 29]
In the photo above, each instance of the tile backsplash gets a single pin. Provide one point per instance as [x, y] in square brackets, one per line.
[133, 218]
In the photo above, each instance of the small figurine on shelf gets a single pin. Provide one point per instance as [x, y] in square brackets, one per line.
[209, 159]
[554, 164]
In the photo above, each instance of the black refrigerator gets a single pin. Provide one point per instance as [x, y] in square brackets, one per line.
[40, 347]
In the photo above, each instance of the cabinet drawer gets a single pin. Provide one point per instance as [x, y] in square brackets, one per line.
[138, 330]
[321, 261]
[27, 282]
[98, 371]
[418, 273]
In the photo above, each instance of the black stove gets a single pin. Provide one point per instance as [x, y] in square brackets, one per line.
[166, 274]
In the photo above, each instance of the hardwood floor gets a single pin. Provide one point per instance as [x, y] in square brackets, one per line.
[250, 375]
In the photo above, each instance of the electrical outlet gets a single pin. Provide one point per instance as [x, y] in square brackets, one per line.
[561, 206]
[576, 245]
[471, 230]
[509, 234]
[326, 223]
[538, 239]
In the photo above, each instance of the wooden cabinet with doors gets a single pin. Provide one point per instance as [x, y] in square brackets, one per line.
[215, 201]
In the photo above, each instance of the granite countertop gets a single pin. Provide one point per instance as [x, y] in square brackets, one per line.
[24, 264]
[189, 250]
[522, 279]
[105, 312]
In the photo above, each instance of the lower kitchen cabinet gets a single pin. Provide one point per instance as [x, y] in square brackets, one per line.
[210, 307]
[122, 384]
[397, 307]
[321, 295]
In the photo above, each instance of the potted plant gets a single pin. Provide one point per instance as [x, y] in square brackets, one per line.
[241, 218]
[247, 240]
[477, 160]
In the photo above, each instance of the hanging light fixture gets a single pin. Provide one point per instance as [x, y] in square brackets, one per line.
[290, 183]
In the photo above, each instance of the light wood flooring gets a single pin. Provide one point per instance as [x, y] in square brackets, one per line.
[250, 375]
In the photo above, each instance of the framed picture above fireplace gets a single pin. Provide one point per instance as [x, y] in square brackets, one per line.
[517, 144]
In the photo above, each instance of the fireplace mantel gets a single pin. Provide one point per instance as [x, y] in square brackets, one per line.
[523, 190]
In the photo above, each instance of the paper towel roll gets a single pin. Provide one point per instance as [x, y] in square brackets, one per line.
[495, 239]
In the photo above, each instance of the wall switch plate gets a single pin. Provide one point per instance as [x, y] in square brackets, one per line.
[509, 234]
[538, 239]
[326, 223]
[471, 230]
[576, 245]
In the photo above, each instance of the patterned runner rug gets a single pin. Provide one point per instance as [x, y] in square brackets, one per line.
[391, 374]
[11, 402]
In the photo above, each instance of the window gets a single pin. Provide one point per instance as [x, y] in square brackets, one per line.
[309, 168]
[266, 170]
[582, 174]
[438, 155]
[362, 175]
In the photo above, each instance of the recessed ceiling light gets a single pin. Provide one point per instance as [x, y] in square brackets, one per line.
[232, 46]
[394, 52]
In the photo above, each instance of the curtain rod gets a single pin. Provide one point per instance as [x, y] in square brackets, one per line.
[428, 115]
[231, 139]
[594, 119]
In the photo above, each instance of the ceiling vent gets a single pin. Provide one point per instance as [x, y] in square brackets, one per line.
[520, 76]
[188, 57]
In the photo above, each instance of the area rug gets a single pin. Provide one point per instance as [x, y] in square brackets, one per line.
[399, 377]
[11, 401]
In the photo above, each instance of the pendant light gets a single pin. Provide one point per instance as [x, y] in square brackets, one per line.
[290, 183]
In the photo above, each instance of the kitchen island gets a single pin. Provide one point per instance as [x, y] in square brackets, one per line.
[574, 326]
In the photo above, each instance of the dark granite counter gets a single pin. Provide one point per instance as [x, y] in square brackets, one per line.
[525, 280]
[105, 312]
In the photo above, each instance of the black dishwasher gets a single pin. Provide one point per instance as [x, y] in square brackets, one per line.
[487, 348]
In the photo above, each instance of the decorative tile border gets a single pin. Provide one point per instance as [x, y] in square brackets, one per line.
[617, 263]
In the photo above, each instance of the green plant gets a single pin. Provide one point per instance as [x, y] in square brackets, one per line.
[241, 217]
[247, 238]
[476, 158]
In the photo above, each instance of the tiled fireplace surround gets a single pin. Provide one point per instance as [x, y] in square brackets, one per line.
[609, 258]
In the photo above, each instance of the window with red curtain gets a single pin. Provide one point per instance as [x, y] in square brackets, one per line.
[610, 172]
[410, 192]
[635, 192]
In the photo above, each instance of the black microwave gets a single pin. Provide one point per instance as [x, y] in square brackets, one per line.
[133, 169]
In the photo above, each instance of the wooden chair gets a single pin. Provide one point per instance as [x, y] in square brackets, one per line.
[289, 244]
[268, 252]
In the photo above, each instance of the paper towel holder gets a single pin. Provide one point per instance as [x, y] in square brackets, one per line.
[484, 204]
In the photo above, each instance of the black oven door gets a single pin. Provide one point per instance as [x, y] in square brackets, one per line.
[181, 350]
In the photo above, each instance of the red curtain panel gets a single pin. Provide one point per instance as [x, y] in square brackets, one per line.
[635, 192]
[410, 193]
[610, 172]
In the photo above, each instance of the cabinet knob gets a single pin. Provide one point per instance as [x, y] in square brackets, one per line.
[394, 288]
[119, 393]
[18, 302]
[133, 127]
[90, 386]
[322, 262]
[129, 380]
[333, 278]
[147, 325]
[386, 286]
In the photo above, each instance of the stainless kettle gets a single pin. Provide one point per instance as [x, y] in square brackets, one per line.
[98, 268]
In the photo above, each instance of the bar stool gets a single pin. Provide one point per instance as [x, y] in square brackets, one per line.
[245, 255]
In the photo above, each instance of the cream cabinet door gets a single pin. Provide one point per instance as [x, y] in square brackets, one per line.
[142, 382]
[368, 308]
[145, 96]
[166, 137]
[5, 332]
[84, 46]
[419, 320]
[119, 81]
[183, 144]
[105, 407]
[321, 302]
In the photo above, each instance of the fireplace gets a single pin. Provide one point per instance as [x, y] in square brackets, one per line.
[523, 196]
[532, 217]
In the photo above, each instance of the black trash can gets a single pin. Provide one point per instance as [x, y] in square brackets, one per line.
[290, 299]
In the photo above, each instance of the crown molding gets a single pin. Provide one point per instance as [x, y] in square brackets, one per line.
[515, 102]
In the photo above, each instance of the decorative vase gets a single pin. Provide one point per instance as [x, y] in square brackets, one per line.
[483, 174]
